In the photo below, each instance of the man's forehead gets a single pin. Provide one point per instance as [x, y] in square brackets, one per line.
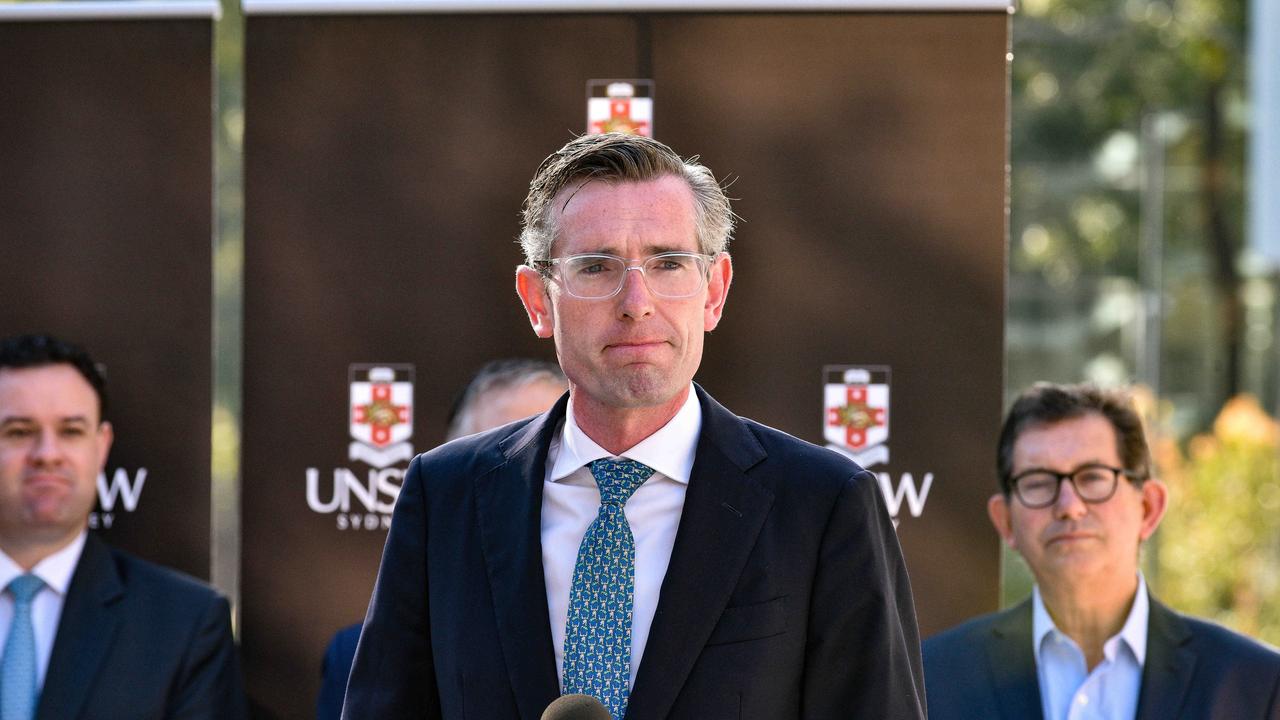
[1085, 438]
[55, 391]
[596, 210]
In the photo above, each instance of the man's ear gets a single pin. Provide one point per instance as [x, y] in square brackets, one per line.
[998, 510]
[717, 290]
[105, 435]
[1155, 500]
[531, 286]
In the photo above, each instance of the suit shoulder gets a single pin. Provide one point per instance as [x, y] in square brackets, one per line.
[962, 639]
[159, 582]
[789, 450]
[1224, 645]
[465, 456]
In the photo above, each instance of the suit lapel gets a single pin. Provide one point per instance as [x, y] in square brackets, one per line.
[91, 616]
[1166, 674]
[1012, 664]
[509, 512]
[723, 512]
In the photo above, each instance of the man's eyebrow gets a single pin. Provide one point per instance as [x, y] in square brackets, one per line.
[659, 249]
[1075, 468]
[22, 419]
[648, 251]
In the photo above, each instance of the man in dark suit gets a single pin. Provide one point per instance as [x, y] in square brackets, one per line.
[1077, 501]
[638, 542]
[89, 632]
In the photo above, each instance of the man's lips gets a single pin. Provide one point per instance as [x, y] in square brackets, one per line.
[622, 344]
[634, 349]
[40, 481]
[1071, 536]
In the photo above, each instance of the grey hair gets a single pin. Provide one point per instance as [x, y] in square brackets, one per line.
[507, 374]
[620, 157]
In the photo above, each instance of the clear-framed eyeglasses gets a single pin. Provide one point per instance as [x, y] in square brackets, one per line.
[1093, 483]
[594, 276]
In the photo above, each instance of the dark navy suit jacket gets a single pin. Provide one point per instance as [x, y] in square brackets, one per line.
[334, 672]
[1194, 669]
[137, 641]
[786, 595]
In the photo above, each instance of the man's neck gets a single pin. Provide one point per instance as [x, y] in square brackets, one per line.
[26, 553]
[620, 429]
[1090, 613]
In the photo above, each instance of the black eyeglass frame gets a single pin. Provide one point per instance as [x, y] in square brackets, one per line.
[545, 267]
[1071, 477]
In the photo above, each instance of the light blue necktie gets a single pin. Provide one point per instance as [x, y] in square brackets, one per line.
[597, 642]
[18, 666]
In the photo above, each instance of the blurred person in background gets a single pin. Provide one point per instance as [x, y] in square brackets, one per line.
[1077, 501]
[90, 631]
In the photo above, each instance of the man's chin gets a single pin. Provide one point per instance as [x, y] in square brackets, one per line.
[55, 519]
[646, 389]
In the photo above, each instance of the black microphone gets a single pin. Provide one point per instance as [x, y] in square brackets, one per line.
[576, 707]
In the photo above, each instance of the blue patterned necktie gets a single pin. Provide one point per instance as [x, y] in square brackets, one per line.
[18, 666]
[597, 639]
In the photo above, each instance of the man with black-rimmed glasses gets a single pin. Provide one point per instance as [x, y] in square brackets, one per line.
[1077, 501]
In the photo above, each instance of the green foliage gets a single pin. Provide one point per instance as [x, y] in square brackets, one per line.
[1218, 550]
[1085, 75]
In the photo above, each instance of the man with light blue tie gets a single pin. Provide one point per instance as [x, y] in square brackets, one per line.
[89, 632]
[1077, 501]
[637, 542]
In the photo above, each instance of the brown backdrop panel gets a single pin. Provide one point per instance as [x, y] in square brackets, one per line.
[386, 159]
[869, 154]
[105, 223]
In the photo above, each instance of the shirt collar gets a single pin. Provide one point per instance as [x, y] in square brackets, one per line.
[1134, 632]
[670, 450]
[55, 570]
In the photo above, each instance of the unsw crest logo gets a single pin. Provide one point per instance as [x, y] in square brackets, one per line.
[856, 423]
[380, 421]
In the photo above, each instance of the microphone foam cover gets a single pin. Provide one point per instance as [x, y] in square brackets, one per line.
[576, 707]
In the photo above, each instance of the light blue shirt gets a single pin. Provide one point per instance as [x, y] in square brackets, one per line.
[1068, 691]
[46, 607]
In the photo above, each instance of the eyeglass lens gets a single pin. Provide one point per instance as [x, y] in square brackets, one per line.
[1093, 483]
[598, 276]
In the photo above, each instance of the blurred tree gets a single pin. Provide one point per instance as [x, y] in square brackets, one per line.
[1086, 74]
[1217, 556]
[1096, 85]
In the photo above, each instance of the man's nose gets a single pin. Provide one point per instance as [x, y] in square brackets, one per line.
[47, 449]
[1068, 504]
[636, 298]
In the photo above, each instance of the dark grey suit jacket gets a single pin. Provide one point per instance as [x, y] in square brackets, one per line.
[1194, 669]
[786, 595]
[137, 641]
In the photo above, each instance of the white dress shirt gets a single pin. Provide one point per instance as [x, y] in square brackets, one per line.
[46, 608]
[571, 500]
[1068, 691]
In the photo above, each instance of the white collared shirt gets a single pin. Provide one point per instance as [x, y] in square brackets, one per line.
[1068, 691]
[571, 500]
[46, 608]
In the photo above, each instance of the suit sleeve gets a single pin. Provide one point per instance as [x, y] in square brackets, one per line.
[211, 686]
[335, 671]
[393, 675]
[862, 656]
